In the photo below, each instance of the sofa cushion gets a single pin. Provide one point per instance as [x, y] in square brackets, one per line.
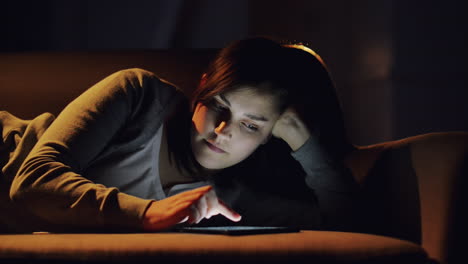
[302, 247]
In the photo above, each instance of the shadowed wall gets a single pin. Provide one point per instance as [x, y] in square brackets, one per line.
[398, 65]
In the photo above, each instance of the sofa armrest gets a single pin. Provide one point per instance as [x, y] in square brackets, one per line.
[415, 190]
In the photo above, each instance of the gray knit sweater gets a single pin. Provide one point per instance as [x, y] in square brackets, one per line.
[95, 167]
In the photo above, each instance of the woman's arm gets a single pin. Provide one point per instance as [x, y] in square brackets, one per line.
[50, 181]
[333, 184]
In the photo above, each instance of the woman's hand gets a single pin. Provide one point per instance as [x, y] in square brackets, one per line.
[291, 129]
[191, 206]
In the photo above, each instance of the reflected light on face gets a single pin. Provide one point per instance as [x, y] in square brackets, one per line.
[229, 127]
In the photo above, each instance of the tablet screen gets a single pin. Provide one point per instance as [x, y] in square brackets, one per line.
[238, 230]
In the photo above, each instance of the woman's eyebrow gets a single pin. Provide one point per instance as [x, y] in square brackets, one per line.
[251, 116]
[257, 118]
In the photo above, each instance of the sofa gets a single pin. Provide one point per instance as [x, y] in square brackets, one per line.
[413, 187]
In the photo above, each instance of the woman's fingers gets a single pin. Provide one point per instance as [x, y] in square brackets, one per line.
[202, 207]
[212, 205]
[211, 201]
[191, 207]
[190, 196]
[227, 212]
[198, 211]
[209, 205]
[199, 190]
[196, 202]
[164, 213]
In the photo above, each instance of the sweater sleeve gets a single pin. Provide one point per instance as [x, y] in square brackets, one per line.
[50, 183]
[322, 172]
[336, 190]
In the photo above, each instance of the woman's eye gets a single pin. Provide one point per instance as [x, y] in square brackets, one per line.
[250, 127]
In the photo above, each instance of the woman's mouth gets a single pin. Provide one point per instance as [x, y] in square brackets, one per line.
[214, 148]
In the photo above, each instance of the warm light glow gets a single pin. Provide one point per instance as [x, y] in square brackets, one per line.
[306, 49]
[220, 128]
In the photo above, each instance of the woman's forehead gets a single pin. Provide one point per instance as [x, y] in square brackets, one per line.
[261, 90]
[250, 100]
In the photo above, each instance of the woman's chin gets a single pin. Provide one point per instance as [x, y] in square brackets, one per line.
[210, 164]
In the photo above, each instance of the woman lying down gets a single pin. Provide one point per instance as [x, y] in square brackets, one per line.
[261, 142]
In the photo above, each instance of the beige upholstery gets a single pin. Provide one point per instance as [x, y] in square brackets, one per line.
[413, 188]
[303, 247]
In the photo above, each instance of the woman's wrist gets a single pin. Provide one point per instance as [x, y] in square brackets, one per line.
[296, 138]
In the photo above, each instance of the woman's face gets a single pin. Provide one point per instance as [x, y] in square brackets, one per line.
[231, 126]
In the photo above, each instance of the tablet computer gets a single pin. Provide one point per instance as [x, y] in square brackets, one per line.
[238, 230]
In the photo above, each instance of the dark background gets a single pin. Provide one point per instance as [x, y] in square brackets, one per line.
[400, 66]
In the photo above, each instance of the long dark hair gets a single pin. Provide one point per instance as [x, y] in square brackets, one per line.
[295, 76]
[312, 90]
[249, 62]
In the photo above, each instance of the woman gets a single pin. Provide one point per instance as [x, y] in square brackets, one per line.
[130, 154]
